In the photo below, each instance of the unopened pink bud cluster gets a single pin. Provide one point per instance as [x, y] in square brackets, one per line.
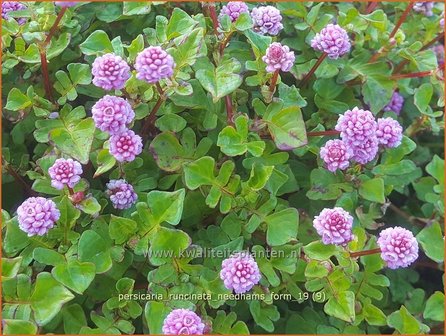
[396, 103]
[361, 137]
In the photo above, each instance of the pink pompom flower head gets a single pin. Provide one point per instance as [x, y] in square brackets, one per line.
[12, 6]
[366, 151]
[110, 72]
[65, 172]
[233, 9]
[112, 114]
[66, 4]
[278, 57]
[399, 248]
[153, 64]
[183, 322]
[336, 155]
[424, 8]
[267, 20]
[389, 132]
[37, 215]
[395, 104]
[122, 194]
[125, 146]
[356, 126]
[240, 272]
[334, 226]
[332, 40]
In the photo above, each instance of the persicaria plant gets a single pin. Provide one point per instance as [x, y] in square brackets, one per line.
[188, 168]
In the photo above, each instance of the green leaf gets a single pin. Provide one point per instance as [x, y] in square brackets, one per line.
[73, 319]
[93, 248]
[373, 315]
[167, 244]
[431, 240]
[186, 51]
[319, 251]
[243, 22]
[222, 80]
[405, 323]
[180, 23]
[166, 206]
[48, 257]
[167, 151]
[136, 8]
[282, 226]
[435, 307]
[423, 96]
[342, 306]
[10, 267]
[121, 229]
[373, 190]
[19, 327]
[75, 140]
[105, 161]
[436, 169]
[264, 316]
[17, 100]
[75, 275]
[286, 125]
[154, 314]
[234, 141]
[48, 298]
[97, 43]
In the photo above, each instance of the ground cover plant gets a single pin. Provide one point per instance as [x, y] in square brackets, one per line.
[222, 168]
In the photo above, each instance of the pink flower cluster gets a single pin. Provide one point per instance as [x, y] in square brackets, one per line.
[278, 57]
[110, 72]
[122, 194]
[183, 322]
[424, 8]
[65, 172]
[336, 155]
[125, 146]
[332, 40]
[153, 64]
[66, 4]
[37, 215]
[240, 272]
[12, 6]
[233, 9]
[399, 248]
[112, 114]
[395, 104]
[267, 20]
[334, 226]
[363, 134]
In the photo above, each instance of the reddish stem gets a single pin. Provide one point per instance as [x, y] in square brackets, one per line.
[151, 118]
[364, 253]
[371, 7]
[322, 133]
[313, 69]
[272, 85]
[412, 75]
[19, 179]
[213, 15]
[401, 20]
[224, 43]
[229, 110]
[46, 75]
[70, 190]
[55, 26]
